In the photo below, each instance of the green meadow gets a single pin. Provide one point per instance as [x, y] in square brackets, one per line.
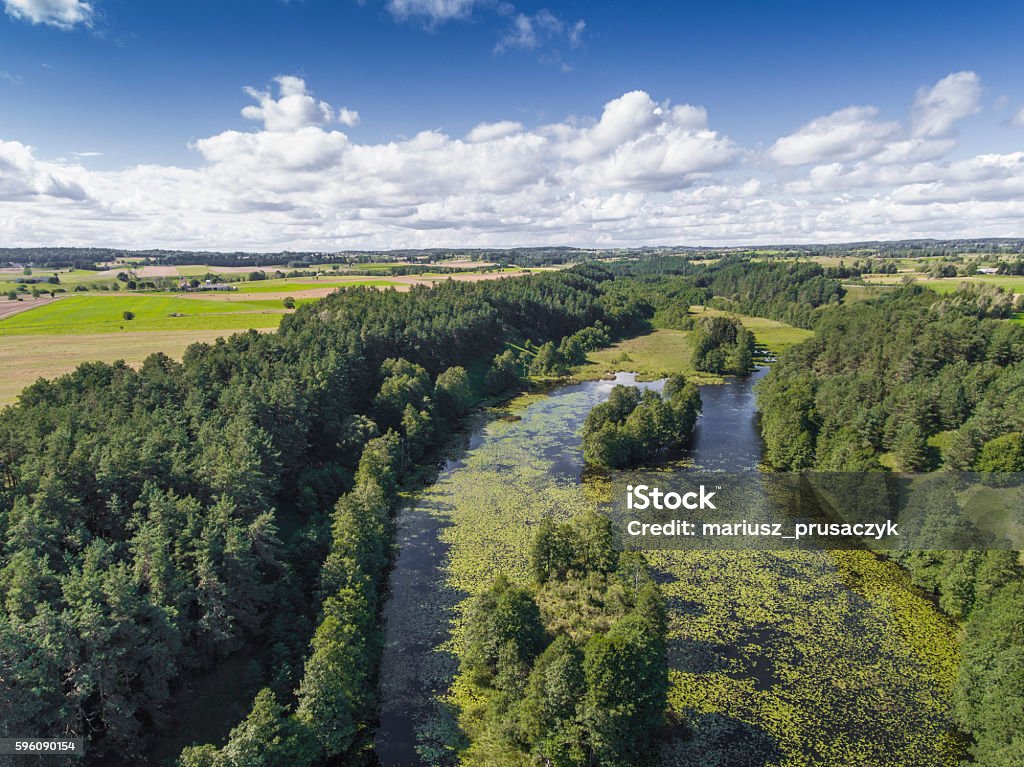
[667, 352]
[68, 279]
[950, 284]
[91, 314]
[655, 355]
[773, 335]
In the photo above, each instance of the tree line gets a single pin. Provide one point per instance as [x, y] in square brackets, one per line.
[798, 293]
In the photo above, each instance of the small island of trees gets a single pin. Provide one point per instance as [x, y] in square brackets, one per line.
[723, 346]
[632, 428]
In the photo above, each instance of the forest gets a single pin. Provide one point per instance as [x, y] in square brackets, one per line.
[156, 522]
[914, 382]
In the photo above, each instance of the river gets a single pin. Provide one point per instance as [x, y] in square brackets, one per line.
[781, 658]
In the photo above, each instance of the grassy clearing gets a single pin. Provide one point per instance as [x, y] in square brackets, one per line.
[856, 293]
[655, 355]
[668, 352]
[25, 359]
[892, 279]
[275, 303]
[771, 334]
[93, 314]
[85, 276]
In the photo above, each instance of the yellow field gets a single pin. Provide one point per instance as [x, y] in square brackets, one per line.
[24, 359]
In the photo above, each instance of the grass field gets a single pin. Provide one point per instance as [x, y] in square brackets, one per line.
[25, 359]
[68, 279]
[773, 335]
[655, 355]
[667, 352]
[92, 314]
[192, 271]
[1005, 281]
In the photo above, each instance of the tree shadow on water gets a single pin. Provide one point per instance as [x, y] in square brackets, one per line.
[414, 726]
[718, 740]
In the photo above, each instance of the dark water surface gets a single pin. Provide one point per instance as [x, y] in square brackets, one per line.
[726, 436]
[793, 659]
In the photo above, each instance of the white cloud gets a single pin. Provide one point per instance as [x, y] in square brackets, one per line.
[937, 109]
[63, 14]
[1018, 119]
[638, 171]
[913, 150]
[848, 134]
[522, 35]
[576, 33]
[542, 28]
[294, 108]
[432, 11]
[526, 31]
[23, 177]
[492, 131]
[349, 117]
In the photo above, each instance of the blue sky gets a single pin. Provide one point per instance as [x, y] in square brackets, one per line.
[113, 112]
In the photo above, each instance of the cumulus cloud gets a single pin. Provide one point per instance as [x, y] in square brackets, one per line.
[349, 117]
[637, 171]
[294, 108]
[848, 134]
[492, 131]
[63, 14]
[23, 177]
[937, 109]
